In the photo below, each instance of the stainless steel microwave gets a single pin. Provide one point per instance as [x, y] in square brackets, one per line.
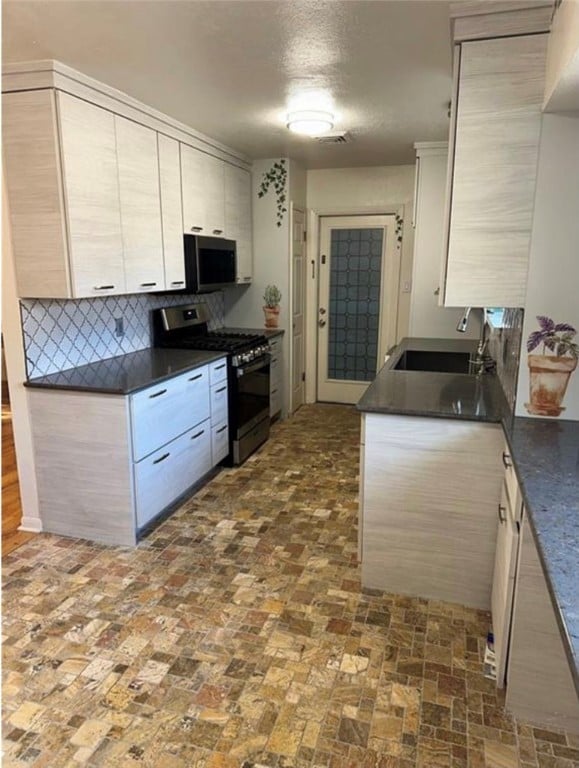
[210, 263]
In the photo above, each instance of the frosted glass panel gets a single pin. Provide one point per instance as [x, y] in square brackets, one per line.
[354, 309]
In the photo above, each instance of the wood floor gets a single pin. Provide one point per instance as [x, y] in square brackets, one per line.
[11, 506]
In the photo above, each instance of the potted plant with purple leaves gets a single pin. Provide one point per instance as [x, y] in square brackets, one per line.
[551, 368]
[272, 298]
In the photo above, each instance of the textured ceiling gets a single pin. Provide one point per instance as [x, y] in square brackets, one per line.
[232, 68]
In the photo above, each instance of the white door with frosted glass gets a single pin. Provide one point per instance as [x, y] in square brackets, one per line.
[358, 302]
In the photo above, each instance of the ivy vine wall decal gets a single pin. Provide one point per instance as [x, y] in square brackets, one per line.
[276, 177]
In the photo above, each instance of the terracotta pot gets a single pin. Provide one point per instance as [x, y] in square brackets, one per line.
[271, 317]
[549, 377]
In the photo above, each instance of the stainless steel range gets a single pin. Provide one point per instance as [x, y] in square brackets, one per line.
[185, 327]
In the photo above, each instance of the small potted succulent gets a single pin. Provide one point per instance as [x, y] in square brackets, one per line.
[272, 298]
[549, 374]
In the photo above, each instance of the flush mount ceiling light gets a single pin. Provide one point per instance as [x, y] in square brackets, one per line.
[310, 122]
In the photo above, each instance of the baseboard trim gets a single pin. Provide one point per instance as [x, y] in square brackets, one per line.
[31, 524]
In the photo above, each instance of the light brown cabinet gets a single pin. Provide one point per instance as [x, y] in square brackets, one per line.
[494, 146]
[138, 170]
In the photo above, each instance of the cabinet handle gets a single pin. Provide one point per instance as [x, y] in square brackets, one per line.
[162, 458]
[247, 279]
[196, 229]
[507, 460]
[178, 282]
[217, 231]
[147, 285]
[103, 287]
[273, 391]
[198, 434]
[219, 367]
[273, 360]
[194, 378]
[220, 390]
[221, 430]
[158, 394]
[502, 514]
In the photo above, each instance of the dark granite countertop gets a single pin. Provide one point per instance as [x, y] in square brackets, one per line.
[545, 455]
[268, 332]
[129, 373]
[443, 395]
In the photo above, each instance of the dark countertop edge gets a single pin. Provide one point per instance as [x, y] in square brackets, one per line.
[566, 637]
[270, 333]
[38, 384]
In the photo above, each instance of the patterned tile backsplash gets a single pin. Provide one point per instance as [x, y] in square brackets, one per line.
[505, 348]
[61, 334]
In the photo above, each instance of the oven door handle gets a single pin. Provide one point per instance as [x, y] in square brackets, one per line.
[261, 362]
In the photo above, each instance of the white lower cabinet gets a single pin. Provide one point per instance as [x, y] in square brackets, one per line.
[162, 412]
[108, 464]
[275, 377]
[168, 472]
[219, 442]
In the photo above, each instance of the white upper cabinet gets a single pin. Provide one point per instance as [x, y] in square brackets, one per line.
[193, 190]
[498, 96]
[91, 193]
[203, 185]
[215, 197]
[238, 218]
[138, 169]
[171, 212]
[101, 191]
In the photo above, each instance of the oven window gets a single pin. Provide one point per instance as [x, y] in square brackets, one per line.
[216, 266]
[252, 401]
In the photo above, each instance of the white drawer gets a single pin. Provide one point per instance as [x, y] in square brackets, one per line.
[219, 442]
[219, 403]
[275, 345]
[162, 412]
[275, 401]
[218, 371]
[274, 372]
[164, 475]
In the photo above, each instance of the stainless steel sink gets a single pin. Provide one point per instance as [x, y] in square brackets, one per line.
[435, 362]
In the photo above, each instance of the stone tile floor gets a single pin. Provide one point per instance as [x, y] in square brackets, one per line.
[237, 634]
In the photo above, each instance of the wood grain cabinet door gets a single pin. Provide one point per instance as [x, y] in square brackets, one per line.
[91, 191]
[193, 190]
[498, 122]
[214, 196]
[140, 196]
[238, 218]
[171, 212]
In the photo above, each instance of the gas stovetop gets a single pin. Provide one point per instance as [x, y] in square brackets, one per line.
[227, 342]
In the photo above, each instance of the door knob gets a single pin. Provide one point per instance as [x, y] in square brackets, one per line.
[321, 323]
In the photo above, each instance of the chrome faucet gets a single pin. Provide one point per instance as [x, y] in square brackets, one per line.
[482, 362]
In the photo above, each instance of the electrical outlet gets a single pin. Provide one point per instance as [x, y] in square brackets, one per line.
[119, 326]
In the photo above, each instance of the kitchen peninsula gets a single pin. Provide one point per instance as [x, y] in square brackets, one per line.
[436, 450]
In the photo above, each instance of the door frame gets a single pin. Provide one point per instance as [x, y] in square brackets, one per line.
[312, 279]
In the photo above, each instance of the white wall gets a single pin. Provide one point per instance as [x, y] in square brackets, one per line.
[271, 265]
[16, 371]
[427, 318]
[553, 280]
[379, 189]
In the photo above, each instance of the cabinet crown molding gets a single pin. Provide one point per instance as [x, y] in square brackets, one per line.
[429, 148]
[50, 73]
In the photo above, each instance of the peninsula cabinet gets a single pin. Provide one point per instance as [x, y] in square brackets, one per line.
[494, 143]
[109, 464]
[429, 492]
